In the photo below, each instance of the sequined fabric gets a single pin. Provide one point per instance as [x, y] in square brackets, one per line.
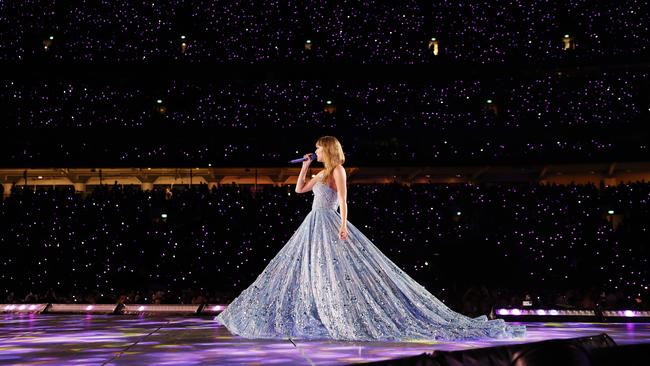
[321, 287]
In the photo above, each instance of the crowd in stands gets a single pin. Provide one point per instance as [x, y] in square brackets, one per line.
[597, 100]
[568, 246]
[323, 31]
[590, 118]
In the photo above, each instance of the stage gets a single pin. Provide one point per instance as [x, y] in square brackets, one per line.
[49, 339]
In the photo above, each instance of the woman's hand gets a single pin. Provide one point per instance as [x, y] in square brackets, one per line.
[343, 232]
[308, 161]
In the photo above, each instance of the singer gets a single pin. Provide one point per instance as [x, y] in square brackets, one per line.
[330, 281]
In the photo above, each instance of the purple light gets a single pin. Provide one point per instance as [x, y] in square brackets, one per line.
[628, 313]
[516, 312]
[21, 307]
[503, 312]
[100, 335]
[89, 307]
[553, 312]
[218, 307]
[32, 307]
[541, 312]
[141, 308]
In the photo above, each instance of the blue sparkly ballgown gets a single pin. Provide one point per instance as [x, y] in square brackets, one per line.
[321, 287]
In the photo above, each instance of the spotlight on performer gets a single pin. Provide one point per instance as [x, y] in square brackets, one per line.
[568, 43]
[183, 45]
[434, 46]
[47, 43]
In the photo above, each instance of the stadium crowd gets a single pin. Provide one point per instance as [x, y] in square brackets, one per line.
[596, 117]
[119, 243]
[409, 32]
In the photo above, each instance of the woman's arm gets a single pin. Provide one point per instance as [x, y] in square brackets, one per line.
[301, 186]
[341, 187]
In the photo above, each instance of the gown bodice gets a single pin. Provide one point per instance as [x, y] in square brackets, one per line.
[324, 196]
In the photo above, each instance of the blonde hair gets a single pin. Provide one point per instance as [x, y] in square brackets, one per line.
[332, 155]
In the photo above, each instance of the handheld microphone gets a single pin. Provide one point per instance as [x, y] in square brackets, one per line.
[312, 156]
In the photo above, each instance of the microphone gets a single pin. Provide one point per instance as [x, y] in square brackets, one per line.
[312, 156]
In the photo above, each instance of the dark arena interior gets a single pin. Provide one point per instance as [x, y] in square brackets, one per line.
[498, 152]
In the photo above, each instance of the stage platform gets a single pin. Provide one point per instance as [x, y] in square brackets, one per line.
[49, 339]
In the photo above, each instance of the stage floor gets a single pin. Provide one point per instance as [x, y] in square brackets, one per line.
[132, 340]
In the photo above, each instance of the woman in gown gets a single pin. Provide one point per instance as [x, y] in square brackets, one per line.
[329, 281]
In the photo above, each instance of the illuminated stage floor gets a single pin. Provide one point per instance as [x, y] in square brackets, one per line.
[114, 340]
